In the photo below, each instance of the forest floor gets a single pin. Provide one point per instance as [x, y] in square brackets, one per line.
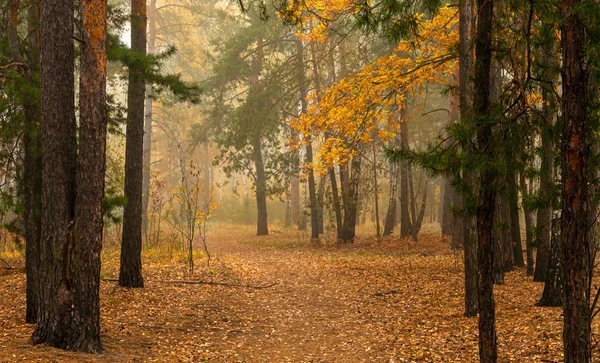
[371, 301]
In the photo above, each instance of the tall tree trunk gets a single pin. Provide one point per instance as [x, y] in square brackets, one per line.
[312, 190]
[544, 216]
[376, 191]
[130, 273]
[68, 317]
[262, 228]
[405, 227]
[32, 164]
[528, 224]
[91, 165]
[466, 23]
[148, 121]
[575, 207]
[487, 193]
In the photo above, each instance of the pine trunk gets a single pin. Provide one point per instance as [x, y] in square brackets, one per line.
[575, 203]
[487, 193]
[130, 273]
[466, 21]
[262, 228]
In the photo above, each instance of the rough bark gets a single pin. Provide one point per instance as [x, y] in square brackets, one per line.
[130, 272]
[58, 323]
[487, 193]
[91, 165]
[575, 207]
[466, 10]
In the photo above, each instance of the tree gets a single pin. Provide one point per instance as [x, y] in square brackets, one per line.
[575, 204]
[73, 186]
[130, 272]
[487, 189]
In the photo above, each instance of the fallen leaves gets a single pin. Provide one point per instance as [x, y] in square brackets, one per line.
[371, 301]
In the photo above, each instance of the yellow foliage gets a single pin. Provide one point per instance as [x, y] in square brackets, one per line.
[364, 105]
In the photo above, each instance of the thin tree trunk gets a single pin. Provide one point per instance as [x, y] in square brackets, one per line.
[262, 228]
[148, 121]
[405, 228]
[466, 23]
[528, 224]
[376, 191]
[336, 203]
[413, 208]
[390, 215]
[312, 190]
[515, 227]
[130, 273]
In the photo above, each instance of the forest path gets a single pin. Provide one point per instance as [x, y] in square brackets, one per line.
[372, 301]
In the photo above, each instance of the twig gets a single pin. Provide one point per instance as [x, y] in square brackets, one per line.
[8, 266]
[200, 282]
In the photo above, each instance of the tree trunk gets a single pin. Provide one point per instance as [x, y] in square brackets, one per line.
[312, 190]
[553, 287]
[405, 228]
[262, 228]
[515, 227]
[320, 203]
[91, 165]
[336, 204]
[466, 23]
[148, 121]
[376, 191]
[32, 163]
[390, 215]
[68, 315]
[130, 273]
[350, 216]
[487, 193]
[528, 224]
[575, 208]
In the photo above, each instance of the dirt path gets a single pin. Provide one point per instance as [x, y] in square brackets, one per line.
[369, 302]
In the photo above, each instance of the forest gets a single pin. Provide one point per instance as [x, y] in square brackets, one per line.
[299, 180]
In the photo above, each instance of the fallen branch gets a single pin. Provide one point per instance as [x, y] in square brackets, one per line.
[8, 267]
[200, 282]
[391, 292]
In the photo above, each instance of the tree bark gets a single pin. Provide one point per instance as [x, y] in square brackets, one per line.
[130, 273]
[64, 315]
[405, 227]
[148, 121]
[91, 165]
[262, 228]
[575, 207]
[351, 213]
[390, 215]
[515, 227]
[466, 22]
[528, 225]
[32, 163]
[487, 193]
